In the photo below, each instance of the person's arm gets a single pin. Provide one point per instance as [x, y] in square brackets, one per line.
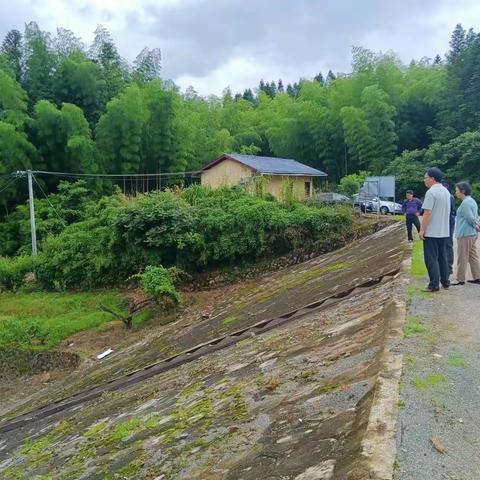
[470, 216]
[404, 206]
[427, 216]
[419, 207]
[427, 213]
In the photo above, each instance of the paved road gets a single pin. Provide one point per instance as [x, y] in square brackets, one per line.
[441, 387]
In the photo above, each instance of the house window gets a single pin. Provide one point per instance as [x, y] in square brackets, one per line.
[307, 189]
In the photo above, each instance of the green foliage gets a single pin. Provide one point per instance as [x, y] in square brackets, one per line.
[157, 283]
[432, 380]
[457, 360]
[193, 229]
[350, 184]
[414, 325]
[13, 271]
[418, 265]
[41, 320]
[143, 124]
[85, 254]
[408, 169]
[52, 216]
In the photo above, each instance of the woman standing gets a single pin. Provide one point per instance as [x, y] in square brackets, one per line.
[466, 233]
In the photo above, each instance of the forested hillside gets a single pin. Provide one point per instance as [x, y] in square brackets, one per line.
[72, 108]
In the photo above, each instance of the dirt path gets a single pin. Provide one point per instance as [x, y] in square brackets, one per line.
[439, 429]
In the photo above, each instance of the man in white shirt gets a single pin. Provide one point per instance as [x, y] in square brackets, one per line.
[435, 230]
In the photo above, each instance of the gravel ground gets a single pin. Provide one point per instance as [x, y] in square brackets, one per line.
[438, 426]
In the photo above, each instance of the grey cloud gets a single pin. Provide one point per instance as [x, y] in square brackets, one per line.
[199, 36]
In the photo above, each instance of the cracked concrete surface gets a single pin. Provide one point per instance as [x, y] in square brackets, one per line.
[309, 400]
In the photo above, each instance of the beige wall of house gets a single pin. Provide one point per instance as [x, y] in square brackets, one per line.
[229, 173]
[300, 190]
[226, 173]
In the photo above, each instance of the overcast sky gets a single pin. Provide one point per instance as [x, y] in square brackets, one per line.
[212, 44]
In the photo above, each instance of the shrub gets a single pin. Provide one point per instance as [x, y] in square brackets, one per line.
[14, 270]
[85, 254]
[67, 206]
[350, 184]
[157, 283]
[192, 229]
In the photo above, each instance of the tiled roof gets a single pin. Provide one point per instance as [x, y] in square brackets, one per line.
[270, 165]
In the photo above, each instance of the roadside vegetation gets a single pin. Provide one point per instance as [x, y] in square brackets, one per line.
[152, 244]
[41, 320]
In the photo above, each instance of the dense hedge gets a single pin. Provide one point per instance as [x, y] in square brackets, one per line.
[194, 229]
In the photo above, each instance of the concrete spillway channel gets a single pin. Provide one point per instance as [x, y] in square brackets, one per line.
[299, 383]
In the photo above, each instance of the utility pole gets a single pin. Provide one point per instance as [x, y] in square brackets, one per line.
[32, 213]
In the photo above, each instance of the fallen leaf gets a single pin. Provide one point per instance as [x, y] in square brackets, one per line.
[438, 445]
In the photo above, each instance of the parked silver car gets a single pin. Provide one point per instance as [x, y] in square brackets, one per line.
[385, 206]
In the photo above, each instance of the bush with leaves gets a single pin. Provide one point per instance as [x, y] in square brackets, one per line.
[350, 184]
[157, 283]
[67, 206]
[13, 271]
[193, 230]
[85, 254]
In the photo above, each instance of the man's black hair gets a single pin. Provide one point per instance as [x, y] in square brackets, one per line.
[465, 188]
[435, 173]
[410, 192]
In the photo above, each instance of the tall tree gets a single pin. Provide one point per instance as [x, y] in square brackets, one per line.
[13, 101]
[12, 48]
[379, 115]
[66, 44]
[39, 63]
[159, 137]
[249, 96]
[104, 52]
[330, 77]
[357, 137]
[51, 129]
[78, 80]
[120, 130]
[16, 153]
[319, 78]
[147, 65]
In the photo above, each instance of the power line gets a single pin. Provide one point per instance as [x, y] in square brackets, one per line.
[5, 175]
[48, 200]
[5, 186]
[112, 175]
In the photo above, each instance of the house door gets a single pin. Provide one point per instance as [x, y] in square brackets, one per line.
[307, 189]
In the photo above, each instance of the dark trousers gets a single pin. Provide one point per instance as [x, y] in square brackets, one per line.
[412, 220]
[435, 254]
[450, 249]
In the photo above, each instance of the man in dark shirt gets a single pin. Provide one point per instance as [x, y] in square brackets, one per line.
[411, 208]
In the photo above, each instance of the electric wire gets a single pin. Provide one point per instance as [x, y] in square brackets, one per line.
[48, 200]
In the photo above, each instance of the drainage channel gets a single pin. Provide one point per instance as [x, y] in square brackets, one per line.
[186, 356]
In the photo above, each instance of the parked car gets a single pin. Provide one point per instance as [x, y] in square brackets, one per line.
[386, 207]
[374, 204]
[329, 197]
[362, 203]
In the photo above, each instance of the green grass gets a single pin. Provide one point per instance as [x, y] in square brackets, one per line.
[229, 320]
[456, 360]
[418, 265]
[430, 381]
[41, 320]
[414, 326]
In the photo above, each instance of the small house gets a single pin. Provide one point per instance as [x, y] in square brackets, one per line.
[279, 174]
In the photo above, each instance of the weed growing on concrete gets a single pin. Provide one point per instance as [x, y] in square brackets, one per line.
[430, 381]
[456, 360]
[414, 326]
